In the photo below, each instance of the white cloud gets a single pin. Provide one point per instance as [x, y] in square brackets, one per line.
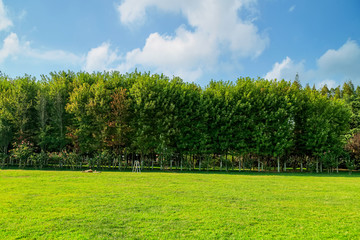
[188, 75]
[344, 61]
[54, 56]
[12, 47]
[292, 8]
[5, 22]
[333, 67]
[217, 28]
[287, 69]
[100, 58]
[186, 54]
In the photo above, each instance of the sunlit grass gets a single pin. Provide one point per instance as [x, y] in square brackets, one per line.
[118, 205]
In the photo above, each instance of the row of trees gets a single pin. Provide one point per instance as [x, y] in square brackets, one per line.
[109, 120]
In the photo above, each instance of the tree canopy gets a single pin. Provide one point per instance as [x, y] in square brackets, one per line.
[149, 115]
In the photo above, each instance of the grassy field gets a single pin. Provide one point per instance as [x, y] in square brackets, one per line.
[124, 205]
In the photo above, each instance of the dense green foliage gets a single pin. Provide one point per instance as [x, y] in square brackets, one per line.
[110, 119]
[121, 205]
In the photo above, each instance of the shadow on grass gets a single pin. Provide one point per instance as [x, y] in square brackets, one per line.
[342, 173]
[263, 173]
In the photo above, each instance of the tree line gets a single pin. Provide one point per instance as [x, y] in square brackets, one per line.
[109, 120]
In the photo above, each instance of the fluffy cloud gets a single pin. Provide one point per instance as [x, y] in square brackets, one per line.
[217, 28]
[12, 47]
[345, 61]
[333, 67]
[287, 69]
[185, 54]
[5, 22]
[100, 58]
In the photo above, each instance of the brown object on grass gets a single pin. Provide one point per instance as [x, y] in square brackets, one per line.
[90, 171]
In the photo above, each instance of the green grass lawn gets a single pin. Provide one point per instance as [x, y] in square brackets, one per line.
[124, 205]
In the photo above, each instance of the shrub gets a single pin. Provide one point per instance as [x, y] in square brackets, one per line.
[22, 152]
[3, 158]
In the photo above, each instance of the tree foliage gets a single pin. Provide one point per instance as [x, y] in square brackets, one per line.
[99, 115]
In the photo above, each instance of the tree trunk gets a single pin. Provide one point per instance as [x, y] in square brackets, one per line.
[232, 162]
[321, 167]
[126, 162]
[226, 161]
[132, 160]
[239, 164]
[119, 159]
[207, 162]
[213, 162]
[161, 161]
[189, 162]
[278, 164]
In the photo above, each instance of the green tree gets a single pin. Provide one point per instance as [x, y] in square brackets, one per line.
[348, 90]
[118, 125]
[325, 91]
[60, 87]
[42, 103]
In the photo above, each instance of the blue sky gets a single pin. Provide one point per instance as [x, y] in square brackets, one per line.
[196, 40]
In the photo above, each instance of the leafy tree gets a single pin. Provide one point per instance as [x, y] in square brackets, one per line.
[348, 90]
[81, 130]
[24, 108]
[325, 91]
[118, 124]
[296, 83]
[145, 99]
[353, 146]
[100, 114]
[60, 87]
[6, 123]
[337, 93]
[42, 103]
